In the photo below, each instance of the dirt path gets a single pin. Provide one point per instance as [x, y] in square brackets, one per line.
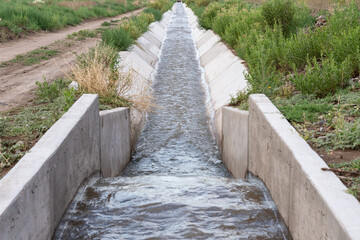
[17, 81]
[11, 49]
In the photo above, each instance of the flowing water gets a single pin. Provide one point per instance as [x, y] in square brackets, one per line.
[175, 186]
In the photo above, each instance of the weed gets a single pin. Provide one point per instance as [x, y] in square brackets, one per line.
[352, 181]
[240, 100]
[21, 127]
[324, 77]
[34, 57]
[117, 38]
[157, 13]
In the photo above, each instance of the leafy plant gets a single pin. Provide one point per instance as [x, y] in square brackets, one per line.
[324, 77]
[280, 12]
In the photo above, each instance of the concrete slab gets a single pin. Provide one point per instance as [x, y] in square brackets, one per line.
[312, 202]
[146, 44]
[235, 140]
[208, 45]
[209, 35]
[158, 30]
[152, 39]
[137, 64]
[36, 192]
[219, 64]
[115, 141]
[227, 83]
[213, 53]
[197, 34]
[144, 54]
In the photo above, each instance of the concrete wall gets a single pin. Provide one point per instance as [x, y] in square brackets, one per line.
[223, 71]
[235, 140]
[37, 191]
[141, 60]
[115, 141]
[313, 203]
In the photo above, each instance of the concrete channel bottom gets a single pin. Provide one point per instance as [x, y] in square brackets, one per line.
[176, 186]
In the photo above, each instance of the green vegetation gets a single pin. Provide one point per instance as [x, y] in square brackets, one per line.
[96, 72]
[349, 173]
[19, 17]
[124, 35]
[33, 57]
[20, 128]
[83, 34]
[307, 64]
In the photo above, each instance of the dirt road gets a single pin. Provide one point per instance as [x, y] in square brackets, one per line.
[10, 50]
[17, 81]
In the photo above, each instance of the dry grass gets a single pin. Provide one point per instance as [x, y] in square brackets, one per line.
[97, 72]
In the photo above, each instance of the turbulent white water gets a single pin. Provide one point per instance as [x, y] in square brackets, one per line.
[176, 186]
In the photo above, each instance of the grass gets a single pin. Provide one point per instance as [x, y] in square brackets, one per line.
[33, 57]
[96, 72]
[123, 36]
[20, 17]
[310, 72]
[349, 174]
[21, 127]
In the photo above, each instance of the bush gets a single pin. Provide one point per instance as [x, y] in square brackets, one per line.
[279, 12]
[324, 77]
[117, 38]
[157, 13]
[162, 5]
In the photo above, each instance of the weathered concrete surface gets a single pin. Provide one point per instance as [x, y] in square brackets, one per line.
[115, 141]
[37, 191]
[313, 203]
[141, 61]
[235, 140]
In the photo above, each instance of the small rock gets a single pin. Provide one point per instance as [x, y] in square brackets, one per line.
[74, 85]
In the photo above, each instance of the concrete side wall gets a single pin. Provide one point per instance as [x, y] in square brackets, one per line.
[141, 60]
[235, 140]
[313, 203]
[115, 141]
[37, 191]
[223, 71]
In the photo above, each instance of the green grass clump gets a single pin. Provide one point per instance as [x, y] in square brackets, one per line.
[117, 38]
[33, 57]
[157, 13]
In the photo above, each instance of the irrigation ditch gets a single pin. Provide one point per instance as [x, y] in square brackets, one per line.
[312, 203]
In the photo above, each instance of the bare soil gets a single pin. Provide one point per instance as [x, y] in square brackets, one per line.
[18, 81]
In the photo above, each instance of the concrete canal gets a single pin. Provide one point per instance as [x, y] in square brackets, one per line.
[176, 186]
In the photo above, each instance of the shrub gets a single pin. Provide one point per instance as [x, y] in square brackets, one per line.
[118, 38]
[279, 12]
[324, 77]
[157, 13]
[162, 5]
